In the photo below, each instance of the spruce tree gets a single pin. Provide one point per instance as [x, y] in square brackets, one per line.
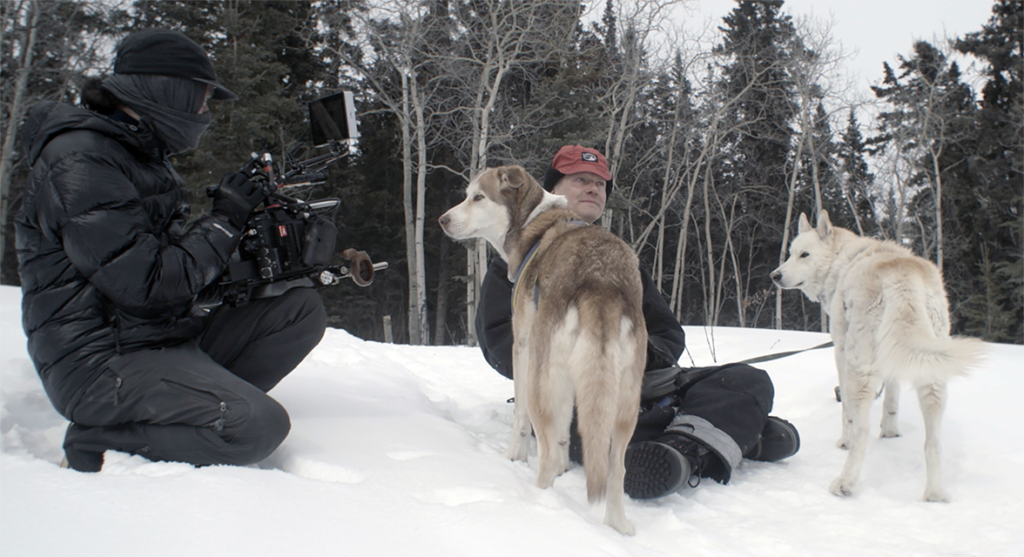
[258, 52]
[995, 310]
[751, 175]
[933, 118]
[856, 177]
[824, 165]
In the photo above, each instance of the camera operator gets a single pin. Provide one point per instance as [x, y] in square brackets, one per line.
[112, 278]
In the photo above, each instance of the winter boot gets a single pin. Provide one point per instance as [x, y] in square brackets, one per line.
[79, 455]
[779, 439]
[662, 466]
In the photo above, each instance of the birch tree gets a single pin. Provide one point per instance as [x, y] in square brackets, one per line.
[46, 46]
[24, 52]
[630, 29]
[393, 38]
[495, 39]
[932, 105]
[812, 65]
[759, 45]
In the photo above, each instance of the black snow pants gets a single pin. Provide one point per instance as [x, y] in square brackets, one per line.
[735, 398]
[204, 402]
[723, 407]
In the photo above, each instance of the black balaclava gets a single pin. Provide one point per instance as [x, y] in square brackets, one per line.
[167, 104]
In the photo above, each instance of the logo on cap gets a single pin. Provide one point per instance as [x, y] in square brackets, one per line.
[589, 157]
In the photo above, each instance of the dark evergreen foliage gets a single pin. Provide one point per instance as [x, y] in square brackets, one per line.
[751, 175]
[68, 42]
[858, 180]
[994, 307]
[277, 55]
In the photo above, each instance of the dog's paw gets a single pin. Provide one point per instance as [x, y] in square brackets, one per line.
[545, 479]
[936, 495]
[621, 525]
[517, 450]
[889, 427]
[841, 487]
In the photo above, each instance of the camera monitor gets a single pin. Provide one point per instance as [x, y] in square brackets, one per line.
[333, 118]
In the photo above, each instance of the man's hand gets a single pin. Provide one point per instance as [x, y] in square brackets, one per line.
[236, 197]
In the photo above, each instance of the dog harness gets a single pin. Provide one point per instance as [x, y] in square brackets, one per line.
[526, 263]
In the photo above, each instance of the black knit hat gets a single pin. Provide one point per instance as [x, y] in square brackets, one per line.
[166, 52]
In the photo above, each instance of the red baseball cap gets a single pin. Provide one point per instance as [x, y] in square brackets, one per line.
[571, 159]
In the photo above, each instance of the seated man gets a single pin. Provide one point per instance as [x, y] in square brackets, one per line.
[693, 423]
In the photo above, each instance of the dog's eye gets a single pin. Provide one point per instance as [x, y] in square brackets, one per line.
[804, 254]
[478, 197]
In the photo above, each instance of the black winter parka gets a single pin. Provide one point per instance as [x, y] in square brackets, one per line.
[106, 263]
[665, 338]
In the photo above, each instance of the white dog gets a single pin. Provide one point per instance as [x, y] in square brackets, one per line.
[889, 320]
[578, 328]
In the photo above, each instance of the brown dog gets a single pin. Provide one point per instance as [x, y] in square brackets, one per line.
[578, 325]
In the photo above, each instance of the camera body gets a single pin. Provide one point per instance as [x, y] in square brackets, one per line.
[284, 245]
[288, 242]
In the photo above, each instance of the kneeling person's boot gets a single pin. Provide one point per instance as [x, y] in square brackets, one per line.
[79, 454]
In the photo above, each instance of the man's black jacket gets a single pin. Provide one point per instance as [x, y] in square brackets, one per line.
[665, 338]
[106, 263]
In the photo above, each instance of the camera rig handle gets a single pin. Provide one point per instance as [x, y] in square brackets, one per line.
[360, 269]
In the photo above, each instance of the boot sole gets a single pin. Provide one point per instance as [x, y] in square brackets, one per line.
[654, 470]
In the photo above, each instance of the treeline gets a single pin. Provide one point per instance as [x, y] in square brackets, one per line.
[714, 151]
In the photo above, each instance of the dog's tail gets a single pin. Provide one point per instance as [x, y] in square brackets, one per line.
[910, 349]
[594, 400]
[607, 393]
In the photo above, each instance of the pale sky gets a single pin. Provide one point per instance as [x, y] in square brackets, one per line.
[874, 31]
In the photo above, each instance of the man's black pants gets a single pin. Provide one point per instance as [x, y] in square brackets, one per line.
[204, 402]
[734, 399]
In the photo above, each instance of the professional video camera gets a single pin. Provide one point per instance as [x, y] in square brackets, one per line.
[289, 242]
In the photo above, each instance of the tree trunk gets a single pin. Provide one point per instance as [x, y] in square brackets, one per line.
[421, 189]
[711, 142]
[785, 230]
[17, 113]
[666, 198]
[710, 302]
[443, 280]
[938, 209]
[491, 77]
[740, 297]
[411, 210]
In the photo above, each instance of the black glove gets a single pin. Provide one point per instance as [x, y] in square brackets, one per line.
[236, 197]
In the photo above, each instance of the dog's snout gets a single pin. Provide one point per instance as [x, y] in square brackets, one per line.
[444, 219]
[776, 275]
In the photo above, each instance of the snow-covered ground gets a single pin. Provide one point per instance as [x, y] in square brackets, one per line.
[397, 450]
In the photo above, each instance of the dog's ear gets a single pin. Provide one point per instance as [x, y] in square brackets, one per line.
[805, 225]
[512, 176]
[824, 225]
